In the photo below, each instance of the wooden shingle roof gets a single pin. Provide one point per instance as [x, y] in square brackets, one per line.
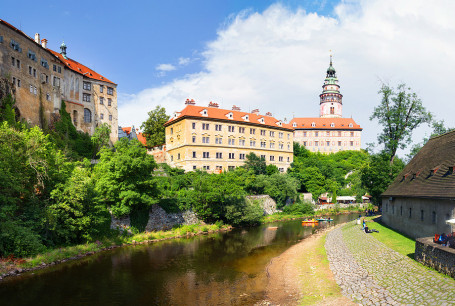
[430, 173]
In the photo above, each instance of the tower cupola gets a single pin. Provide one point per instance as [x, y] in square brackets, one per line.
[63, 50]
[331, 98]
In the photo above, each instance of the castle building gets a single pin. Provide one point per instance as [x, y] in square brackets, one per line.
[214, 139]
[43, 78]
[330, 132]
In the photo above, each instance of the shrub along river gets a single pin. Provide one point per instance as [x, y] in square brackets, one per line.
[221, 268]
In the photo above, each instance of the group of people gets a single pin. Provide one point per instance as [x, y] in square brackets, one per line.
[445, 240]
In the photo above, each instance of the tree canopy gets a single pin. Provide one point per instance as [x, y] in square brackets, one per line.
[153, 127]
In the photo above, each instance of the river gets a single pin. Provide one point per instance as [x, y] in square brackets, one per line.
[216, 269]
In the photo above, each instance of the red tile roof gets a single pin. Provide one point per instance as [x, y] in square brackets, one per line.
[223, 114]
[324, 123]
[81, 69]
[127, 130]
[141, 138]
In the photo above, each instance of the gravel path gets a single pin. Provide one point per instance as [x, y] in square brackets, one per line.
[372, 274]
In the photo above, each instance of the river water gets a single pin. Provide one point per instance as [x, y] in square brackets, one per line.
[217, 269]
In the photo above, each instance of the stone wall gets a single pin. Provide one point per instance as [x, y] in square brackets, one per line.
[266, 202]
[438, 257]
[333, 206]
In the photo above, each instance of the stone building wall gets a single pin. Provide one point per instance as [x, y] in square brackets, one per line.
[438, 257]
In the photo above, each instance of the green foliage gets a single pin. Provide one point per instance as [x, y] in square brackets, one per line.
[139, 219]
[19, 240]
[278, 186]
[124, 178]
[400, 113]
[243, 213]
[75, 216]
[7, 112]
[302, 208]
[153, 128]
[255, 163]
[272, 169]
[101, 138]
[377, 175]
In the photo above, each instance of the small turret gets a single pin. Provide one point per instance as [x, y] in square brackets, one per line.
[63, 50]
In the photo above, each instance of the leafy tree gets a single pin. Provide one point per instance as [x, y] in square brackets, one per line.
[124, 179]
[255, 163]
[377, 175]
[153, 127]
[272, 169]
[101, 138]
[400, 112]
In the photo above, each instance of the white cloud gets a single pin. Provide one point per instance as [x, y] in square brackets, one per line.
[276, 61]
[165, 67]
[183, 61]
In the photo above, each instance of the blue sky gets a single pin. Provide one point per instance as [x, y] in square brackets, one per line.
[255, 54]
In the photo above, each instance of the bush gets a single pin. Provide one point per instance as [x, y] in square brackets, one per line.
[19, 240]
[139, 219]
[242, 213]
[304, 208]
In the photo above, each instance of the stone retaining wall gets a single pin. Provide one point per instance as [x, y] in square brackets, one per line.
[333, 206]
[266, 202]
[436, 256]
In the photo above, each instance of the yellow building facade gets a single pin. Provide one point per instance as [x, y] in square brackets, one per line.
[215, 140]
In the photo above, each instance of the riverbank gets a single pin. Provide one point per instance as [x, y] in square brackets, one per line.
[15, 266]
[279, 217]
[301, 275]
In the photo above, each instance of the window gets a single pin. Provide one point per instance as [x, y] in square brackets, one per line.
[18, 83]
[172, 131]
[241, 130]
[262, 157]
[30, 70]
[205, 139]
[304, 134]
[272, 145]
[305, 143]
[172, 157]
[31, 88]
[316, 143]
[101, 116]
[241, 142]
[101, 100]
[86, 97]
[194, 154]
[194, 167]
[54, 68]
[48, 97]
[18, 64]
[219, 168]
[272, 134]
[339, 134]
[231, 141]
[351, 143]
[280, 135]
[252, 131]
[263, 144]
[110, 91]
[231, 128]
[44, 63]
[109, 102]
[205, 126]
[352, 134]
[288, 159]
[87, 85]
[339, 143]
[101, 88]
[327, 143]
[59, 69]
[219, 155]
[193, 139]
[206, 167]
[110, 117]
[252, 143]
[31, 55]
[178, 156]
[316, 134]
[217, 127]
[280, 158]
[242, 156]
[87, 115]
[1, 39]
[14, 81]
[262, 132]
[272, 158]
[193, 125]
[231, 156]
[231, 168]
[328, 134]
[13, 61]
[56, 82]
[280, 146]
[34, 72]
[421, 215]
[218, 140]
[332, 110]
[206, 154]
[47, 79]
[15, 45]
[410, 212]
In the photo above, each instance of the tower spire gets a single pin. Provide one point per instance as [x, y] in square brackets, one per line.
[331, 99]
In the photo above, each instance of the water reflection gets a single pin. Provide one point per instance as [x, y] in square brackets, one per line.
[222, 268]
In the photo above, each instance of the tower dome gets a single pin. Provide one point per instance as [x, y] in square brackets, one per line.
[331, 98]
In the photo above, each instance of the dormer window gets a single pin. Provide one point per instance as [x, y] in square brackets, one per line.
[332, 124]
[230, 115]
[261, 120]
[279, 123]
[246, 118]
[313, 124]
[204, 113]
[351, 125]
[294, 124]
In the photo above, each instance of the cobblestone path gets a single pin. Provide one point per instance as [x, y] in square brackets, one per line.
[370, 273]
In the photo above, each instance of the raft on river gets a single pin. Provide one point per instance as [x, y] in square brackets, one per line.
[312, 221]
[322, 219]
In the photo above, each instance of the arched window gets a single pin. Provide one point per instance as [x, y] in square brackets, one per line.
[332, 110]
[87, 115]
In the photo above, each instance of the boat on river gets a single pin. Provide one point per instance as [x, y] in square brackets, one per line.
[325, 219]
[312, 221]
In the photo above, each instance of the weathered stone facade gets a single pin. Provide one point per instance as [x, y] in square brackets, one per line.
[266, 202]
[438, 257]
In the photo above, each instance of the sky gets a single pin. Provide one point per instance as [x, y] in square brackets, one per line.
[270, 55]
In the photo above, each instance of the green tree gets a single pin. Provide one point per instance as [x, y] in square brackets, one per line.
[255, 163]
[272, 169]
[400, 112]
[153, 127]
[101, 138]
[377, 175]
[124, 177]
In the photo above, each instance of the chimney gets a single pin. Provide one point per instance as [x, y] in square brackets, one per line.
[268, 114]
[190, 102]
[213, 104]
[235, 108]
[255, 111]
[37, 40]
[44, 43]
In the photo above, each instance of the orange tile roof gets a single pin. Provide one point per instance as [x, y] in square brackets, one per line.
[141, 138]
[127, 130]
[222, 114]
[81, 69]
[325, 123]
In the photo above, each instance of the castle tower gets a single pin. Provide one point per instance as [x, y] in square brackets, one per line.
[331, 98]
